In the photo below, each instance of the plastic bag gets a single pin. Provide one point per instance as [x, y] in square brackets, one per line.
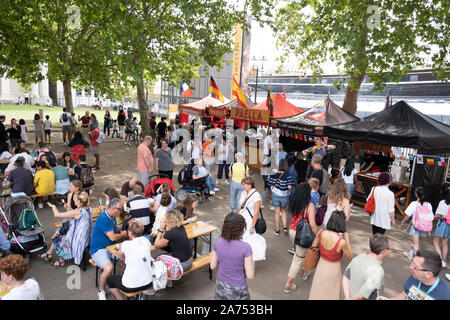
[258, 244]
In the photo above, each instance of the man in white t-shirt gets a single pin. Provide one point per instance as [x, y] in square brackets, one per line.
[66, 121]
[13, 269]
[268, 143]
[138, 274]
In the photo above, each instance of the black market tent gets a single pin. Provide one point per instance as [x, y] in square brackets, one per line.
[399, 125]
[314, 120]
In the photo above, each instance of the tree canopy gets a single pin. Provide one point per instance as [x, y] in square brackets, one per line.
[382, 40]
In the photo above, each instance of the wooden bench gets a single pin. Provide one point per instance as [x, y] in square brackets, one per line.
[2, 176]
[197, 264]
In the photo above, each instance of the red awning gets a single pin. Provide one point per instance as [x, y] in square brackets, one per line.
[281, 107]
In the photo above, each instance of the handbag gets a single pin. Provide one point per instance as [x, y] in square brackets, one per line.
[304, 236]
[64, 228]
[369, 207]
[260, 225]
[311, 259]
[159, 275]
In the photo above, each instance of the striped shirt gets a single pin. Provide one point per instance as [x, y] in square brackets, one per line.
[279, 183]
[139, 208]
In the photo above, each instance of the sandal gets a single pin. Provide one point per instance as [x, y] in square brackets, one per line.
[60, 264]
[47, 257]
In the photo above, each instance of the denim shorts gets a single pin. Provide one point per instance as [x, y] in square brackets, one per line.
[280, 201]
[102, 257]
[417, 233]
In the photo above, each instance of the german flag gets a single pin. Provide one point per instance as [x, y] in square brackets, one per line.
[214, 89]
[237, 92]
[269, 102]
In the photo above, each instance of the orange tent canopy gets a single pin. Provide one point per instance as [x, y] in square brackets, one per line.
[281, 107]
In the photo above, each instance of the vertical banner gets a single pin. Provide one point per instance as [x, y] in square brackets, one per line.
[173, 111]
[237, 55]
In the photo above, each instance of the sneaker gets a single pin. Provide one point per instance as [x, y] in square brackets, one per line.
[169, 284]
[226, 181]
[291, 250]
[212, 192]
[305, 277]
[285, 230]
[40, 205]
[290, 289]
[216, 189]
[217, 181]
[272, 208]
[149, 292]
[409, 255]
[444, 264]
[277, 232]
[101, 295]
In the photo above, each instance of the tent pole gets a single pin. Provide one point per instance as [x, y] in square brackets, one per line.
[413, 171]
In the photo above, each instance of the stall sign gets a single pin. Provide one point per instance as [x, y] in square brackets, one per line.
[220, 113]
[419, 159]
[253, 115]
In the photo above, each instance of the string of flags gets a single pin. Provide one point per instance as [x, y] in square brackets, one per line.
[297, 136]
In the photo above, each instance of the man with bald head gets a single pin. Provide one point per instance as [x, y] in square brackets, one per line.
[144, 160]
[126, 193]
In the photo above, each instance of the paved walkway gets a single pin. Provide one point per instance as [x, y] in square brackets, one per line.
[118, 163]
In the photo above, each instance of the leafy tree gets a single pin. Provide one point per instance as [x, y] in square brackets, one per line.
[379, 39]
[63, 35]
[170, 39]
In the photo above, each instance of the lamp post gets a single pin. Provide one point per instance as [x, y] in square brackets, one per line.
[256, 68]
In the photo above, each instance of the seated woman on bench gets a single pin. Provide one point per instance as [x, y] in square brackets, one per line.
[70, 243]
[138, 271]
[171, 232]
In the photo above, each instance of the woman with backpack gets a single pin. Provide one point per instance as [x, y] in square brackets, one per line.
[442, 232]
[422, 216]
[280, 185]
[302, 209]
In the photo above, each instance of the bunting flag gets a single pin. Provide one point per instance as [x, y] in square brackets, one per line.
[187, 92]
[237, 92]
[269, 102]
[430, 161]
[214, 89]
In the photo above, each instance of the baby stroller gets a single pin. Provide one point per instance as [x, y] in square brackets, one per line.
[189, 185]
[24, 229]
[153, 185]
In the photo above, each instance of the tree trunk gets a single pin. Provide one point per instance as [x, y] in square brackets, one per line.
[67, 84]
[145, 124]
[351, 95]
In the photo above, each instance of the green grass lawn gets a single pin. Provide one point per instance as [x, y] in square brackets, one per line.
[27, 113]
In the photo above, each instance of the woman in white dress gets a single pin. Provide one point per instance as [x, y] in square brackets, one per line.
[250, 205]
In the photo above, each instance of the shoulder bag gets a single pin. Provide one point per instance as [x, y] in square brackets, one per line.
[369, 207]
[260, 226]
[311, 259]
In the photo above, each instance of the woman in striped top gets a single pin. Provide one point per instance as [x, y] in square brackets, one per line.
[280, 185]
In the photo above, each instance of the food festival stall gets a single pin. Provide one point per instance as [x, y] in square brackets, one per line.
[197, 109]
[419, 144]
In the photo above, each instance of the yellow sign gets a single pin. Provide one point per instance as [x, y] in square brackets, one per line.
[173, 111]
[253, 115]
[237, 54]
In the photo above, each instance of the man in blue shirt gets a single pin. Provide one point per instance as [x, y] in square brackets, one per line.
[105, 234]
[424, 282]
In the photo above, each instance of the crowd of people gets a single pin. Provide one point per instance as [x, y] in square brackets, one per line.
[136, 217]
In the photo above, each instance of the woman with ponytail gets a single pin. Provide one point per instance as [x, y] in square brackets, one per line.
[416, 208]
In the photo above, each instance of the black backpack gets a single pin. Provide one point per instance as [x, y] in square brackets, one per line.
[185, 175]
[64, 117]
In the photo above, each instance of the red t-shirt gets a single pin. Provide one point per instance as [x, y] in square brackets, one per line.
[85, 121]
[296, 218]
[94, 134]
